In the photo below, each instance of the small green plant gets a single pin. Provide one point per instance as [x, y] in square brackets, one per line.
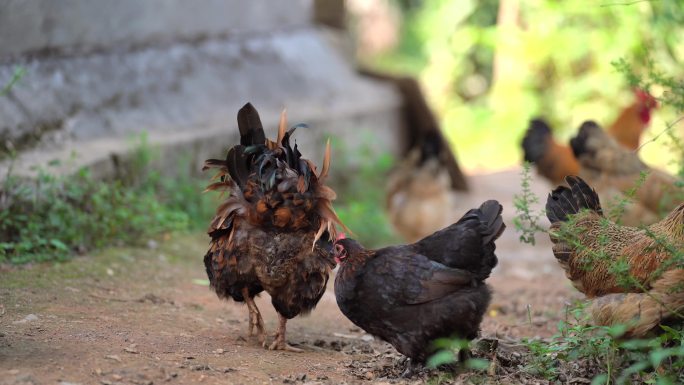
[526, 221]
[447, 351]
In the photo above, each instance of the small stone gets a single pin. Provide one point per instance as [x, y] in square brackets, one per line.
[110, 272]
[131, 349]
[113, 357]
[369, 375]
[152, 244]
[367, 338]
[28, 318]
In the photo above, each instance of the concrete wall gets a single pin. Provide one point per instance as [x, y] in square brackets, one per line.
[101, 72]
[59, 26]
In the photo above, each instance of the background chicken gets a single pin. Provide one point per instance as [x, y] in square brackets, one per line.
[591, 250]
[612, 170]
[272, 233]
[420, 187]
[554, 161]
[410, 295]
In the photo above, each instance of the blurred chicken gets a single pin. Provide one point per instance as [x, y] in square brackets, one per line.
[590, 247]
[274, 230]
[612, 170]
[629, 126]
[410, 295]
[420, 187]
[554, 160]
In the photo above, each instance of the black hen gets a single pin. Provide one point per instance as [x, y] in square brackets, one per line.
[274, 231]
[413, 294]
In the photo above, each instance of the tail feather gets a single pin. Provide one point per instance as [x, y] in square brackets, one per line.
[564, 201]
[238, 169]
[249, 124]
[469, 243]
[535, 144]
[490, 216]
[580, 144]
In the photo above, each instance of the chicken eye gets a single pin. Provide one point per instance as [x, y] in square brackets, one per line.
[339, 250]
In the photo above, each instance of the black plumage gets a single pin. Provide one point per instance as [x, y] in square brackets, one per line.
[413, 294]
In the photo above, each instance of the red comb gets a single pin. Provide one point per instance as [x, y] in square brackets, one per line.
[341, 236]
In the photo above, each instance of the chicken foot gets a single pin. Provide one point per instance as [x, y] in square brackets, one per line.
[255, 319]
[280, 343]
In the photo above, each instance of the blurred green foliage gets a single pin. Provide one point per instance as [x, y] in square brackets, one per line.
[54, 217]
[487, 75]
[363, 182]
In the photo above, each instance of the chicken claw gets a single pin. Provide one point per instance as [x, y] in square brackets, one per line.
[280, 343]
[255, 319]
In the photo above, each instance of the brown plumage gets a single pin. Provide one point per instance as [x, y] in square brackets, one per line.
[633, 120]
[643, 312]
[554, 161]
[274, 230]
[590, 248]
[419, 189]
[612, 170]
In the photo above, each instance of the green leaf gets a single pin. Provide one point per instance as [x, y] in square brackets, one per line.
[59, 245]
[201, 282]
[440, 358]
[477, 364]
[600, 379]
[657, 356]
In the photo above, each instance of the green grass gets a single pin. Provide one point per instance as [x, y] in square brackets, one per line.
[51, 218]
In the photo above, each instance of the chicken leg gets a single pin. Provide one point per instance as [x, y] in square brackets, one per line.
[280, 343]
[255, 319]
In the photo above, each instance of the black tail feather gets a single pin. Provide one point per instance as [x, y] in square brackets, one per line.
[535, 142]
[237, 165]
[251, 129]
[490, 215]
[564, 201]
[579, 143]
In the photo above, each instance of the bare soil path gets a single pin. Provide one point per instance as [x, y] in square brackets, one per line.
[144, 316]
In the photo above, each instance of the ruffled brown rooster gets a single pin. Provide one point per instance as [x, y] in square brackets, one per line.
[274, 232]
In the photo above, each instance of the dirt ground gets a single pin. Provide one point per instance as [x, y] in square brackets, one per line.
[146, 316]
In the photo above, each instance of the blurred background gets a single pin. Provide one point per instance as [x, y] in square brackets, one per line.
[140, 93]
[488, 66]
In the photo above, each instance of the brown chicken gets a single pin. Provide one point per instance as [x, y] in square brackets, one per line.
[612, 170]
[274, 231]
[635, 271]
[419, 197]
[410, 295]
[554, 161]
